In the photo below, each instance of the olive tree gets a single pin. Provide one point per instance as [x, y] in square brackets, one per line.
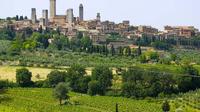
[61, 91]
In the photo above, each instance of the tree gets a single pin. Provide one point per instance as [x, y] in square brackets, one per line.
[76, 79]
[174, 57]
[23, 77]
[116, 107]
[120, 50]
[86, 42]
[142, 59]
[41, 39]
[94, 88]
[61, 91]
[40, 30]
[83, 84]
[161, 45]
[189, 81]
[104, 76]
[153, 56]
[112, 50]
[55, 77]
[139, 51]
[80, 35]
[165, 106]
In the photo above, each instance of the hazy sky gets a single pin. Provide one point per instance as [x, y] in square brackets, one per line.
[156, 13]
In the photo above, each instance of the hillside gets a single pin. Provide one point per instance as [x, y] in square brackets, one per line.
[41, 100]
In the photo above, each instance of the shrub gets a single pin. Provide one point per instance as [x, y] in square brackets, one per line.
[55, 77]
[94, 88]
[23, 77]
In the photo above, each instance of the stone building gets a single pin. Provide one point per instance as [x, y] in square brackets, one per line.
[180, 31]
[52, 8]
[98, 17]
[45, 16]
[58, 20]
[70, 16]
[147, 30]
[81, 12]
[33, 15]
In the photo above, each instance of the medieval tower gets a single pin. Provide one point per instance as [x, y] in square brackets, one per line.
[52, 8]
[81, 12]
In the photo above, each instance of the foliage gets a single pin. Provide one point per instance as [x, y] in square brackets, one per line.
[104, 77]
[3, 84]
[161, 45]
[141, 83]
[94, 88]
[55, 77]
[77, 79]
[61, 92]
[166, 106]
[7, 34]
[4, 46]
[23, 77]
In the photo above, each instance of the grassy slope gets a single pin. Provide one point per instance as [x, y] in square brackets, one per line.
[40, 100]
[187, 102]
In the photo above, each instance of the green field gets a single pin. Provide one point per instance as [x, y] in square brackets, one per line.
[187, 102]
[41, 100]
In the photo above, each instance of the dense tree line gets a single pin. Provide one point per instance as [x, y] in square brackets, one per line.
[168, 43]
[76, 78]
[53, 40]
[28, 39]
[141, 83]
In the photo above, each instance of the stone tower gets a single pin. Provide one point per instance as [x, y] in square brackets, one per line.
[81, 12]
[70, 16]
[45, 16]
[52, 8]
[33, 15]
[98, 17]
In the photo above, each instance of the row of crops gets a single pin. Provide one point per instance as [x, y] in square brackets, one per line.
[41, 100]
[188, 102]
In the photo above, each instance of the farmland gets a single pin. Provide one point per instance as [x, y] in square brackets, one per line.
[188, 102]
[40, 100]
[8, 72]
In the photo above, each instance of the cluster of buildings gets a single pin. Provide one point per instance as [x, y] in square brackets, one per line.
[96, 29]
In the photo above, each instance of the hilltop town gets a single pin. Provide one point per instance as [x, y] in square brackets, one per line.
[60, 63]
[69, 25]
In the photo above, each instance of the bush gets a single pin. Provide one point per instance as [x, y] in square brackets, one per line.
[39, 84]
[94, 88]
[3, 84]
[83, 84]
[55, 77]
[113, 93]
[166, 106]
[23, 77]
